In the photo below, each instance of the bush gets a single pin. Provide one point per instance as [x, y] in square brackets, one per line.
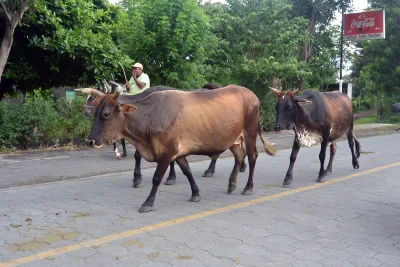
[268, 112]
[74, 122]
[385, 110]
[42, 120]
[43, 117]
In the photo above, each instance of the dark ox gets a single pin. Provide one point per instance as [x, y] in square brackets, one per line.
[316, 118]
[93, 101]
[169, 125]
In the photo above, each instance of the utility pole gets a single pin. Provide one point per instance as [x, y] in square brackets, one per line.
[341, 52]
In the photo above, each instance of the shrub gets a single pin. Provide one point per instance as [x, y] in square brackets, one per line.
[74, 123]
[42, 120]
[43, 117]
[17, 126]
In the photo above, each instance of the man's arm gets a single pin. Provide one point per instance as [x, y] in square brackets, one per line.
[139, 83]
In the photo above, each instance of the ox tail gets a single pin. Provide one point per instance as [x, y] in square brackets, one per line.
[358, 146]
[269, 148]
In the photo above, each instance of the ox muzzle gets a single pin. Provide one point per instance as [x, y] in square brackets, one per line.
[92, 143]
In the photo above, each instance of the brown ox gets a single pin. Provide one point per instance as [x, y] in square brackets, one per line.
[316, 118]
[170, 125]
[93, 101]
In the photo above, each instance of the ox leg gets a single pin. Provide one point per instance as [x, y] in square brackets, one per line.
[137, 174]
[322, 155]
[162, 167]
[211, 169]
[239, 157]
[252, 155]
[172, 175]
[351, 139]
[289, 174]
[244, 166]
[117, 154]
[123, 147]
[184, 165]
[328, 169]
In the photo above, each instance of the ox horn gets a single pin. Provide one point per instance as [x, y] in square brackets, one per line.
[107, 85]
[275, 91]
[117, 89]
[89, 91]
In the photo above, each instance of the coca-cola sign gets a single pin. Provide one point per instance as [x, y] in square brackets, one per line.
[364, 26]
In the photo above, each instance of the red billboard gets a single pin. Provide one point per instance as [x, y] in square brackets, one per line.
[364, 26]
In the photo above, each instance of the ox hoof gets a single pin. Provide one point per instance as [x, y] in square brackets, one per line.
[170, 182]
[247, 192]
[243, 168]
[328, 172]
[287, 181]
[123, 155]
[144, 209]
[208, 174]
[231, 188]
[356, 165]
[195, 198]
[319, 180]
[137, 182]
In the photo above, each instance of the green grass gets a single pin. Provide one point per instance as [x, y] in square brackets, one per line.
[366, 120]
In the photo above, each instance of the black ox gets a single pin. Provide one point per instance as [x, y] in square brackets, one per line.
[316, 117]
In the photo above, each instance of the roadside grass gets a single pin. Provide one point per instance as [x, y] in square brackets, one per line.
[366, 120]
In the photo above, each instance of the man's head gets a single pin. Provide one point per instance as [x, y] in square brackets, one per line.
[137, 68]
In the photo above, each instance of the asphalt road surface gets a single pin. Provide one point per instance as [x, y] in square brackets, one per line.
[351, 219]
[54, 165]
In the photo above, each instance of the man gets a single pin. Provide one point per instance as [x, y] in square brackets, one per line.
[139, 82]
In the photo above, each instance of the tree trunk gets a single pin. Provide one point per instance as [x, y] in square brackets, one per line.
[306, 48]
[5, 47]
[10, 17]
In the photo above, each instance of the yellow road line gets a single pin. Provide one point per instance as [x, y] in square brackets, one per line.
[130, 233]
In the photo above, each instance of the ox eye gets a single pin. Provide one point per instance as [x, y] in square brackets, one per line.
[106, 115]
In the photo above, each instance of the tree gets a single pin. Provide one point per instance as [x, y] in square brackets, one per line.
[65, 43]
[11, 12]
[172, 41]
[319, 13]
[376, 67]
[258, 42]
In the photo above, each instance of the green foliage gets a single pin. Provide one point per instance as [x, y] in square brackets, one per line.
[17, 125]
[65, 43]
[183, 44]
[74, 122]
[375, 66]
[268, 112]
[42, 116]
[171, 39]
[41, 120]
[366, 120]
[258, 41]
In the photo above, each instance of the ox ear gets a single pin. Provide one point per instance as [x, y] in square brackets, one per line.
[127, 109]
[301, 101]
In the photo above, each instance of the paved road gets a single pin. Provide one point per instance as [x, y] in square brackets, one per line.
[352, 219]
[51, 166]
